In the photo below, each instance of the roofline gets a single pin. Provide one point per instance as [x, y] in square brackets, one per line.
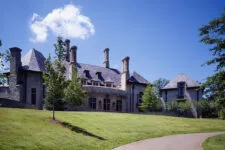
[139, 83]
[192, 87]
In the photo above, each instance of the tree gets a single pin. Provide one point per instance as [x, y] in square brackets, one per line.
[74, 94]
[60, 50]
[213, 35]
[59, 90]
[149, 99]
[54, 79]
[55, 82]
[4, 58]
[158, 84]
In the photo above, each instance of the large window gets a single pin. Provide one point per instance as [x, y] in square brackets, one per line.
[92, 103]
[33, 96]
[106, 104]
[181, 86]
[119, 105]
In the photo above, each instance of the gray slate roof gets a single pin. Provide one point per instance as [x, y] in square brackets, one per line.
[136, 78]
[181, 78]
[107, 74]
[33, 61]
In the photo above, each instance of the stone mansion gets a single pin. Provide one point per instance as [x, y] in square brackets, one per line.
[108, 89]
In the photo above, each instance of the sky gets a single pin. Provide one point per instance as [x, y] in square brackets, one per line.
[161, 37]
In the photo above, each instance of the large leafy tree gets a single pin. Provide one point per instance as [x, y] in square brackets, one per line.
[149, 99]
[74, 94]
[213, 34]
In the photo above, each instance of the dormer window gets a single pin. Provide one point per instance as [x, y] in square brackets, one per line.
[99, 74]
[87, 73]
[181, 87]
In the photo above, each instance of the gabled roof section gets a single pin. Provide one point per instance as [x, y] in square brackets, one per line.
[181, 78]
[34, 61]
[137, 78]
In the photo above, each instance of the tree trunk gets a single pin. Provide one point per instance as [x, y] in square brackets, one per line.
[53, 110]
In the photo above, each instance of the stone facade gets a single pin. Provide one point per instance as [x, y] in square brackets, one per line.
[108, 89]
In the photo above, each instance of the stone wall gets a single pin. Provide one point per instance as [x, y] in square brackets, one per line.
[172, 94]
[34, 80]
[4, 92]
[133, 96]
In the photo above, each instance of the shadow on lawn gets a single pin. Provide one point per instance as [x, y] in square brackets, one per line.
[80, 130]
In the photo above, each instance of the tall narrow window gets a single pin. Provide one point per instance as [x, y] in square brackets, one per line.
[33, 96]
[197, 95]
[92, 103]
[180, 86]
[166, 95]
[106, 104]
[119, 105]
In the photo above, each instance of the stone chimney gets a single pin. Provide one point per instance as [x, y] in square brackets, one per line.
[73, 55]
[15, 65]
[67, 42]
[106, 57]
[15, 62]
[125, 74]
[126, 64]
[73, 61]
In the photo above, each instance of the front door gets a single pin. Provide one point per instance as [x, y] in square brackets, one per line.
[106, 104]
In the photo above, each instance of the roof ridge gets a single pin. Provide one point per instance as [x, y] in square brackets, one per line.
[98, 66]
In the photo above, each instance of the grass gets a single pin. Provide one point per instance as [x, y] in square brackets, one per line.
[215, 142]
[30, 129]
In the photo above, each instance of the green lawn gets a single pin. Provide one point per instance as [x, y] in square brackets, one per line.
[215, 142]
[29, 129]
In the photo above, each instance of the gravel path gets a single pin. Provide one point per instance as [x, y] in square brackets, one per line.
[172, 142]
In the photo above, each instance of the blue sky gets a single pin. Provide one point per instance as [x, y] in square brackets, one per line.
[160, 36]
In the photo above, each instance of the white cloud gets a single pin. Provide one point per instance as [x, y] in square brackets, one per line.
[67, 22]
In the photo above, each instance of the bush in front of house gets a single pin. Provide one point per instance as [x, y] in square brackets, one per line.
[172, 106]
[180, 108]
[206, 108]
